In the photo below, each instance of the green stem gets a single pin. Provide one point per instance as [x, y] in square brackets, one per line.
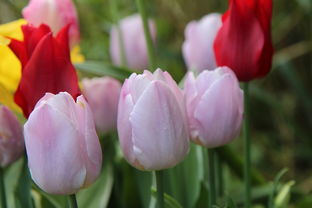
[160, 188]
[247, 148]
[73, 201]
[211, 170]
[115, 15]
[147, 33]
[236, 164]
[2, 189]
[219, 172]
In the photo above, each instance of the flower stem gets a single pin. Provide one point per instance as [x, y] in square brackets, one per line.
[247, 148]
[211, 170]
[219, 171]
[147, 33]
[115, 16]
[2, 189]
[160, 189]
[73, 201]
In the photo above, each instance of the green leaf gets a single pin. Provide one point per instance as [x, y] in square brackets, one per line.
[98, 194]
[183, 181]
[282, 198]
[23, 190]
[170, 202]
[275, 186]
[236, 164]
[47, 200]
[203, 200]
[230, 203]
[97, 68]
[143, 182]
[11, 174]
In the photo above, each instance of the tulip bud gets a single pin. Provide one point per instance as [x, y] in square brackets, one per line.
[63, 149]
[133, 42]
[198, 45]
[103, 95]
[152, 125]
[243, 42]
[11, 137]
[215, 106]
[56, 14]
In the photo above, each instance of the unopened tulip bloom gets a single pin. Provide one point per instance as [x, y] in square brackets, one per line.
[56, 14]
[103, 94]
[152, 125]
[134, 42]
[214, 106]
[197, 48]
[11, 137]
[244, 43]
[63, 149]
[46, 66]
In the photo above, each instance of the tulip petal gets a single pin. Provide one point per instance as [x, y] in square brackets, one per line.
[55, 141]
[246, 33]
[134, 45]
[90, 141]
[103, 96]
[218, 114]
[125, 107]
[11, 137]
[56, 14]
[198, 45]
[50, 68]
[156, 117]
[32, 36]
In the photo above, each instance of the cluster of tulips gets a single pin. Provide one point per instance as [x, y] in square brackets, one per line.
[155, 118]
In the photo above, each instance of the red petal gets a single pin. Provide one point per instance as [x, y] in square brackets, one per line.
[63, 38]
[243, 43]
[19, 49]
[33, 35]
[49, 69]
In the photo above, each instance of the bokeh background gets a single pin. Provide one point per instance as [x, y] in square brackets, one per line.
[281, 103]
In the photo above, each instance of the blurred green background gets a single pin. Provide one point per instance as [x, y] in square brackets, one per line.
[281, 103]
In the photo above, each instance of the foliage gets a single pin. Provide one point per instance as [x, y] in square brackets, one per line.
[281, 113]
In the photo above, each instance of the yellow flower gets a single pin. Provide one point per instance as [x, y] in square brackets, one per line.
[10, 67]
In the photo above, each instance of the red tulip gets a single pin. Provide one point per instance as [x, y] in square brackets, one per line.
[46, 66]
[244, 43]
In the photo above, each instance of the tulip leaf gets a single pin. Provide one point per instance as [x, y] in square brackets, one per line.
[144, 182]
[170, 202]
[236, 164]
[23, 191]
[230, 203]
[97, 68]
[49, 200]
[282, 198]
[203, 200]
[275, 186]
[98, 194]
[183, 181]
[11, 174]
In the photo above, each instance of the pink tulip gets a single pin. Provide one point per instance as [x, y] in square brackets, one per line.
[103, 95]
[64, 153]
[198, 45]
[214, 106]
[134, 42]
[56, 14]
[11, 137]
[152, 124]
